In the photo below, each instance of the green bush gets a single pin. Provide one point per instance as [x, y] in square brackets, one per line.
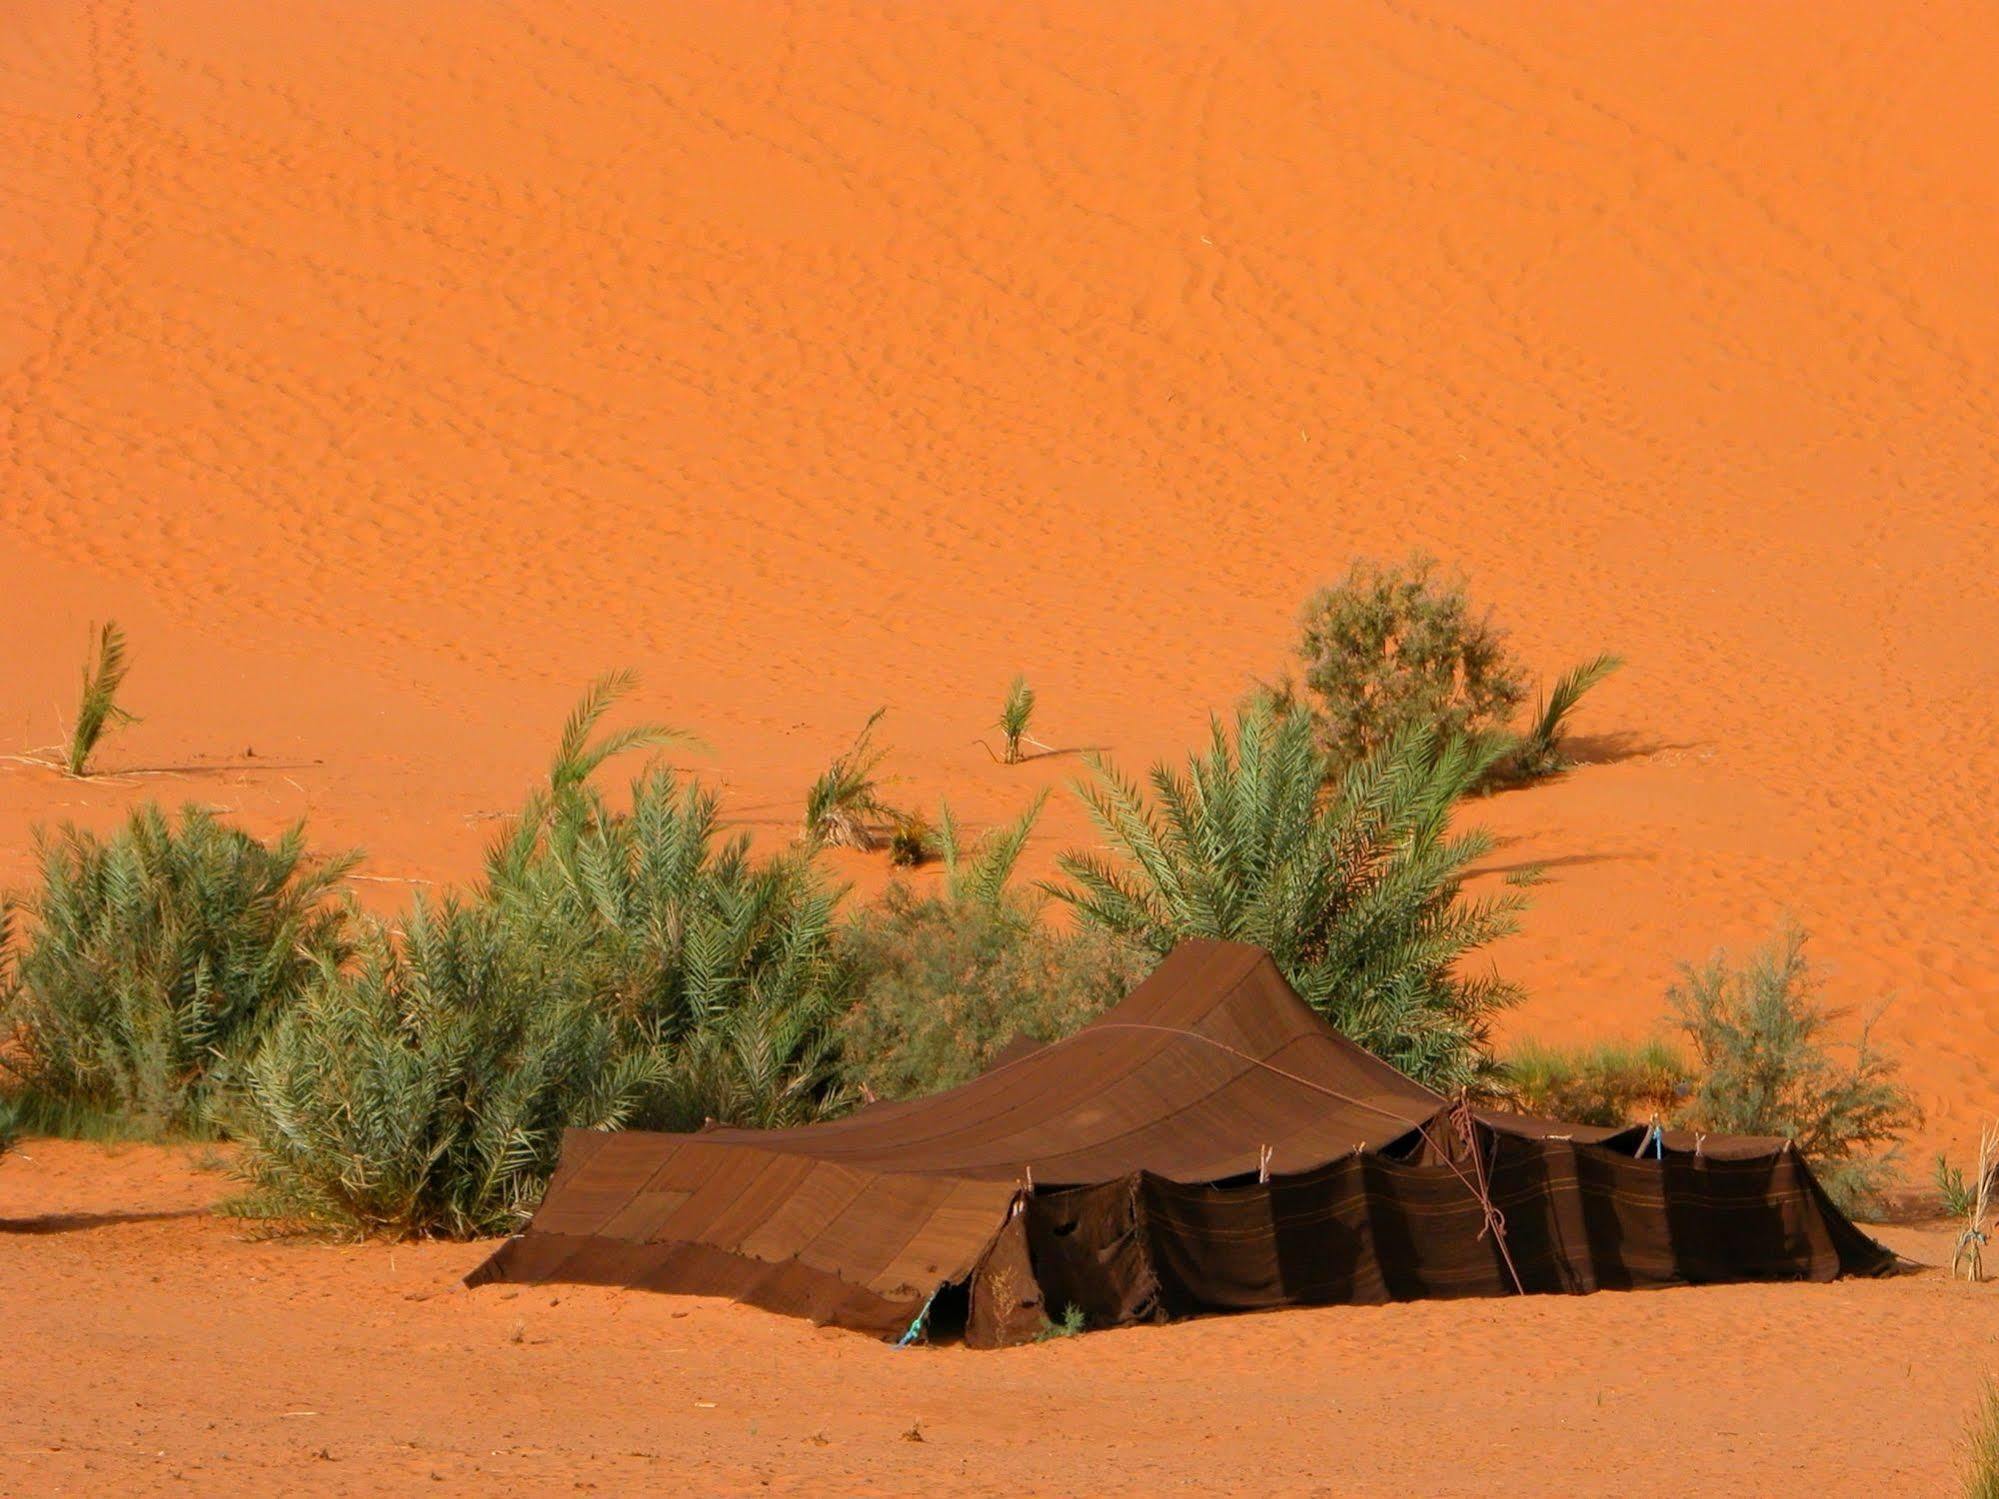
[425, 1092]
[1016, 717]
[911, 842]
[1539, 751]
[943, 984]
[1394, 648]
[158, 959]
[688, 944]
[1352, 881]
[1609, 1085]
[613, 968]
[1759, 1036]
[1391, 648]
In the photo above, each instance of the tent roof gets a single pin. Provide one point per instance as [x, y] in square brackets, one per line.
[1208, 1061]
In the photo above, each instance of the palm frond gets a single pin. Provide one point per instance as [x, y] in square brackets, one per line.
[1353, 883]
[98, 710]
[1539, 753]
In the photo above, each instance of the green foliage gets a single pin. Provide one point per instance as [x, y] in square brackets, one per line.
[1393, 648]
[982, 874]
[578, 757]
[1759, 1034]
[1981, 1445]
[159, 959]
[1539, 752]
[943, 984]
[614, 968]
[1068, 1326]
[1608, 1085]
[689, 943]
[845, 804]
[98, 709]
[1016, 716]
[942, 987]
[425, 1092]
[1957, 1195]
[1353, 882]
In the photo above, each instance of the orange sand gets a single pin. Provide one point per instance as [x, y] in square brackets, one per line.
[151, 1351]
[390, 370]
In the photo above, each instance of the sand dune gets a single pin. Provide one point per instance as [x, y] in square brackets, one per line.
[390, 370]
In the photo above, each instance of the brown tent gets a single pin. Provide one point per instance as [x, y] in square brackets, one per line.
[1209, 1144]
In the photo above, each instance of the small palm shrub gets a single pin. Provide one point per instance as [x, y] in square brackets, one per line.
[845, 805]
[1391, 648]
[158, 959]
[1353, 881]
[689, 944]
[943, 984]
[1608, 1085]
[1539, 751]
[97, 710]
[425, 1092]
[1016, 717]
[1759, 1034]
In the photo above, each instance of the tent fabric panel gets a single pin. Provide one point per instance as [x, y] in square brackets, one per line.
[787, 1286]
[590, 1189]
[818, 1197]
[955, 1232]
[736, 1224]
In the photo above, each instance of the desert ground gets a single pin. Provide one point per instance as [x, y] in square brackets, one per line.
[389, 371]
[155, 1348]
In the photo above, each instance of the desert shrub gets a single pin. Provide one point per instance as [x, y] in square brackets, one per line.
[1608, 1085]
[845, 804]
[157, 960]
[1981, 1445]
[1766, 1067]
[942, 984]
[1353, 881]
[97, 709]
[685, 940]
[1016, 717]
[1069, 1325]
[1391, 648]
[1956, 1195]
[426, 1091]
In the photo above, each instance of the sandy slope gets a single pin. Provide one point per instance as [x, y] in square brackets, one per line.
[152, 1351]
[390, 370]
